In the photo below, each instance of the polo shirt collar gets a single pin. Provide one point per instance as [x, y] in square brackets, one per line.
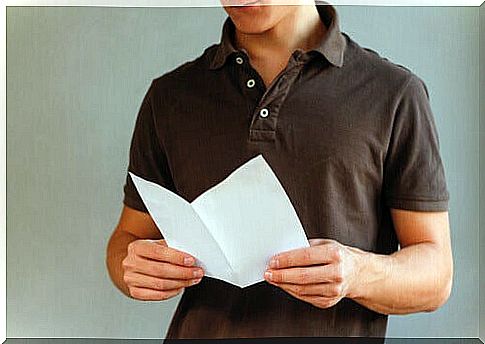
[331, 47]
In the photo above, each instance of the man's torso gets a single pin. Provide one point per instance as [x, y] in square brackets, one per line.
[325, 137]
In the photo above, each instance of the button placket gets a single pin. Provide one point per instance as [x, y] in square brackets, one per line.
[247, 78]
[265, 118]
[265, 113]
[282, 79]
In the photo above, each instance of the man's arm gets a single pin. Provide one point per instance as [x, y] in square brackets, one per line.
[132, 225]
[416, 278]
[144, 269]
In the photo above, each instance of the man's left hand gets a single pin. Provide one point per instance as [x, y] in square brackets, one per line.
[321, 274]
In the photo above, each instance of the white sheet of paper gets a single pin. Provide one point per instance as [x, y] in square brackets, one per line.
[234, 228]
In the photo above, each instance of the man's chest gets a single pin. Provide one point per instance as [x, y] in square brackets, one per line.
[309, 135]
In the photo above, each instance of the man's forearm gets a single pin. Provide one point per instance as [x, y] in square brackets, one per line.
[410, 280]
[116, 252]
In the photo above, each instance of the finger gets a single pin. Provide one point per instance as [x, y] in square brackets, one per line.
[322, 302]
[318, 301]
[146, 294]
[305, 298]
[327, 290]
[321, 254]
[161, 242]
[320, 241]
[134, 279]
[158, 251]
[307, 275]
[165, 270]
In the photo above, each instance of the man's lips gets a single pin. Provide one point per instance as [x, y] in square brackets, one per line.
[251, 3]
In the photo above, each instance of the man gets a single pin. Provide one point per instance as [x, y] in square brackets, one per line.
[352, 139]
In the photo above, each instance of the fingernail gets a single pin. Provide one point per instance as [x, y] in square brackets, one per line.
[198, 273]
[268, 275]
[273, 263]
[196, 281]
[188, 261]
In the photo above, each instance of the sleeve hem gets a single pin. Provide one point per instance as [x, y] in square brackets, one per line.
[419, 205]
[134, 204]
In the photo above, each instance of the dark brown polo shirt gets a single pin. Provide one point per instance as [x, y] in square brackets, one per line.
[349, 135]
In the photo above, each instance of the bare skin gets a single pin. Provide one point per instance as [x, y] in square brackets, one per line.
[271, 33]
[147, 269]
[416, 278]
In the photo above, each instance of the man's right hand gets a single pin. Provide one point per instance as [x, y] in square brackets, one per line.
[152, 271]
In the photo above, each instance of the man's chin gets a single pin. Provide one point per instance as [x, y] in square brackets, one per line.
[251, 29]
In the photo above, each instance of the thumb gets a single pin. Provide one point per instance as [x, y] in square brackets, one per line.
[158, 241]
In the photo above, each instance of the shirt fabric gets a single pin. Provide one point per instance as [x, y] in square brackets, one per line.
[349, 135]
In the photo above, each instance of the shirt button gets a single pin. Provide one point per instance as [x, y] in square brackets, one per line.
[264, 113]
[250, 83]
[239, 60]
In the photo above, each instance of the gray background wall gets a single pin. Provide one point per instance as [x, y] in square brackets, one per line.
[482, 174]
[75, 80]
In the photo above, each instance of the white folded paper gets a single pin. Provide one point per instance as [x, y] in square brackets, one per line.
[234, 228]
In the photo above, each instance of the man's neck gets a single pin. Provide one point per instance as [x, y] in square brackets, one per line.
[302, 29]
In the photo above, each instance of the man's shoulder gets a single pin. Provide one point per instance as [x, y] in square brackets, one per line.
[379, 70]
[187, 73]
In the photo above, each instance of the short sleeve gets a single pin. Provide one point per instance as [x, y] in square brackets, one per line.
[414, 176]
[147, 158]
